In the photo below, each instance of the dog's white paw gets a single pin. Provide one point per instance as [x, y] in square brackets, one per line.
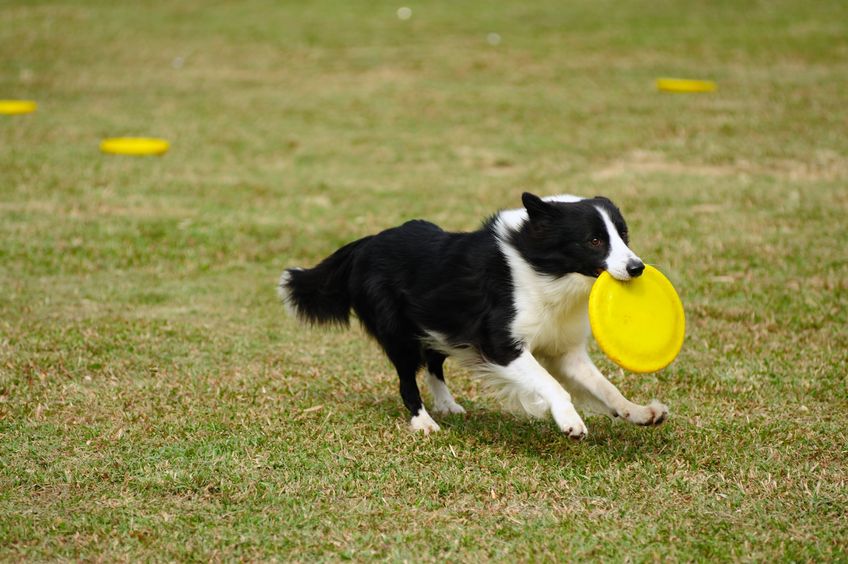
[423, 422]
[570, 423]
[443, 401]
[652, 414]
[447, 406]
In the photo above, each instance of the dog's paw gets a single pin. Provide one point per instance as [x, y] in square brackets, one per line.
[447, 406]
[652, 414]
[570, 423]
[423, 423]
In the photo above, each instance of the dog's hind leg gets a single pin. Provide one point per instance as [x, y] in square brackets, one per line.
[443, 401]
[407, 359]
[592, 391]
[396, 335]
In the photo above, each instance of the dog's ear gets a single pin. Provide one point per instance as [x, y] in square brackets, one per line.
[537, 209]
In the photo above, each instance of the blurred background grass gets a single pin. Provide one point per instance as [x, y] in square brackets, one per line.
[156, 404]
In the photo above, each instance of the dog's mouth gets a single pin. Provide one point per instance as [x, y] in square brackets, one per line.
[598, 272]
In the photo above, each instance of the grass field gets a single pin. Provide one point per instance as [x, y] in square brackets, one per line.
[156, 404]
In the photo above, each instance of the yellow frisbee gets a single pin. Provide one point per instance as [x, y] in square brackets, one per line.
[639, 324]
[685, 85]
[15, 107]
[136, 146]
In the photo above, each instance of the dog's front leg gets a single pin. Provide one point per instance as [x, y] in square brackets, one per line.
[594, 392]
[527, 374]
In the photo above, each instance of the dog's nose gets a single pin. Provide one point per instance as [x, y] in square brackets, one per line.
[635, 268]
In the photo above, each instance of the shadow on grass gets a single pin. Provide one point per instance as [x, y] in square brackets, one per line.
[541, 438]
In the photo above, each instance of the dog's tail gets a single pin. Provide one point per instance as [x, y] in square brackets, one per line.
[321, 294]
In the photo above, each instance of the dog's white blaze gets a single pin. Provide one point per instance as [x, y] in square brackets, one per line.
[619, 253]
[567, 198]
[423, 422]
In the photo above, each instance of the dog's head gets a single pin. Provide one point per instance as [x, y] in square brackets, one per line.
[583, 236]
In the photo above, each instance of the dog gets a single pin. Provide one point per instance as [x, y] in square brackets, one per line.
[509, 301]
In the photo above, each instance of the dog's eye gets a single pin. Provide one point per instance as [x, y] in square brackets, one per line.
[595, 242]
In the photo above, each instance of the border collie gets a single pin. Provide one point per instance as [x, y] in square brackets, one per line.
[508, 300]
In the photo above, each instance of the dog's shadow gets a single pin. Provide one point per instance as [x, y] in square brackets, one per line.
[540, 438]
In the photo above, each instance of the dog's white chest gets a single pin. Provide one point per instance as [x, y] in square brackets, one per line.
[553, 332]
[552, 315]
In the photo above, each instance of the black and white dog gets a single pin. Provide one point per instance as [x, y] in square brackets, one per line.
[508, 300]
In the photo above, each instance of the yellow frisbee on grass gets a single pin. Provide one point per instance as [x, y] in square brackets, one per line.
[136, 146]
[639, 324]
[685, 85]
[16, 107]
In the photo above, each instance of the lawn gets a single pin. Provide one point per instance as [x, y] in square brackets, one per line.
[157, 404]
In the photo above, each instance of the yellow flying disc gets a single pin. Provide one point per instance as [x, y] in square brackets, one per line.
[134, 146]
[15, 107]
[684, 85]
[639, 324]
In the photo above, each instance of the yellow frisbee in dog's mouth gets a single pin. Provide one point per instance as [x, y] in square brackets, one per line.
[685, 85]
[136, 146]
[16, 107]
[639, 324]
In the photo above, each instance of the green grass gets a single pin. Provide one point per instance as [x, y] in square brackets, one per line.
[156, 404]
